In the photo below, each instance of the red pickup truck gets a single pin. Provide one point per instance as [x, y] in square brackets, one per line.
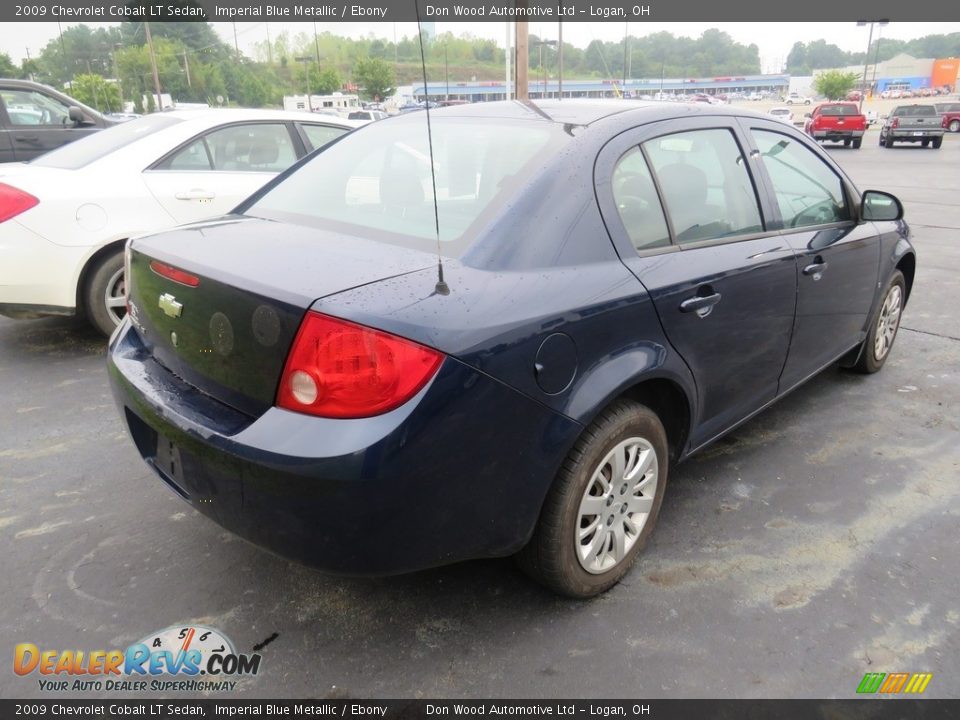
[837, 122]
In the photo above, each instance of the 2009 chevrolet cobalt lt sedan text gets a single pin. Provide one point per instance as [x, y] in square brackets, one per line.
[622, 284]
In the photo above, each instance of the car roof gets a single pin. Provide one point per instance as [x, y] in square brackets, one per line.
[589, 112]
[241, 114]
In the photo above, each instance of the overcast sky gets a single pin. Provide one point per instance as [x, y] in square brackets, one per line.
[773, 39]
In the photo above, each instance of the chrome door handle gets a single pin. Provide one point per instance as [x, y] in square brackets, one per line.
[815, 268]
[195, 194]
[700, 303]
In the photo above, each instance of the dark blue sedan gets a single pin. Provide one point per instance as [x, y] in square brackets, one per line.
[622, 283]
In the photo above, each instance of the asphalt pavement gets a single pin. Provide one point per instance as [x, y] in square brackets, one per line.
[816, 543]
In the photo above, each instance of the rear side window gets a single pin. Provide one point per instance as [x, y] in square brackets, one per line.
[258, 147]
[91, 148]
[638, 203]
[706, 188]
[808, 192]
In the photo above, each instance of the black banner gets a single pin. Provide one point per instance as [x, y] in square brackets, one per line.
[875, 709]
[475, 10]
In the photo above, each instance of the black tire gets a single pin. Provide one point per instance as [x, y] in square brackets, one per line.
[868, 362]
[925, 143]
[846, 143]
[857, 142]
[551, 556]
[101, 276]
[883, 141]
[937, 142]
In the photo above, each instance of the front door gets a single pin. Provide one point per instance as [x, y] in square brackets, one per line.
[38, 123]
[723, 286]
[837, 259]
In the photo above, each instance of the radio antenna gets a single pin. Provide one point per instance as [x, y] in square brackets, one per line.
[442, 287]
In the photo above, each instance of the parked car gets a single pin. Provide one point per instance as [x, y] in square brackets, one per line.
[302, 371]
[65, 216]
[368, 115]
[783, 114]
[913, 124]
[854, 96]
[872, 117]
[949, 115]
[797, 99]
[35, 119]
[837, 122]
[754, 97]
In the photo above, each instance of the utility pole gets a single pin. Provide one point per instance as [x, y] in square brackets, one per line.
[305, 59]
[560, 61]
[153, 65]
[866, 58]
[625, 43]
[523, 56]
[316, 41]
[446, 70]
[236, 45]
[270, 47]
[186, 68]
[116, 73]
[508, 47]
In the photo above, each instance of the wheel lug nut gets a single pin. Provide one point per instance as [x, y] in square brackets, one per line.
[610, 520]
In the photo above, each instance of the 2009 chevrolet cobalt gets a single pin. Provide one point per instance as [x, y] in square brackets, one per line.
[621, 284]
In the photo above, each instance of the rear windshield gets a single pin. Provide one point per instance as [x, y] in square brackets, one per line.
[376, 182]
[915, 111]
[835, 110]
[87, 149]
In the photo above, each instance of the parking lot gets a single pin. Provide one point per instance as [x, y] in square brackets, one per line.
[814, 544]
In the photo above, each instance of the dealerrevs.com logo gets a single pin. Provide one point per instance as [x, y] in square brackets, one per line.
[189, 659]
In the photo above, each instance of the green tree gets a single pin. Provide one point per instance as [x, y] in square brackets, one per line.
[7, 68]
[375, 77]
[835, 84]
[93, 90]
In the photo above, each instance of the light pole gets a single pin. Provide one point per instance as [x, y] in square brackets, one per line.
[866, 58]
[305, 59]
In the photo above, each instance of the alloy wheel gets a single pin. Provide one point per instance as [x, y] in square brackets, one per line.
[114, 297]
[888, 322]
[616, 505]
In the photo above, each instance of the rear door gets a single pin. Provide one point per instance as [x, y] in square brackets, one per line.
[683, 209]
[210, 174]
[838, 259]
[316, 135]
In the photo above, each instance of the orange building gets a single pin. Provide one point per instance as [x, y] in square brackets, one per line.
[945, 73]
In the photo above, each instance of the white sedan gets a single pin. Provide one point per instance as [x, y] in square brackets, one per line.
[783, 114]
[65, 216]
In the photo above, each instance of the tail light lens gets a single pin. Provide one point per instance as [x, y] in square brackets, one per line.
[14, 201]
[338, 369]
[895, 124]
[943, 121]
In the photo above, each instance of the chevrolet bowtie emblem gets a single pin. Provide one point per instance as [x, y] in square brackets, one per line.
[170, 306]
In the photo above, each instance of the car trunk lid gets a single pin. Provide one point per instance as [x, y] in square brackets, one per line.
[219, 303]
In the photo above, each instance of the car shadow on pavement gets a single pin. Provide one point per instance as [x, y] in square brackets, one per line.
[62, 337]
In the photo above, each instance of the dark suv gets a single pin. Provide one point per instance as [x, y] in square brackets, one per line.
[35, 119]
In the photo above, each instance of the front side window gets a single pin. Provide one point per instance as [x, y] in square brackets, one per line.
[807, 191]
[320, 135]
[259, 147]
[28, 107]
[638, 203]
[705, 184]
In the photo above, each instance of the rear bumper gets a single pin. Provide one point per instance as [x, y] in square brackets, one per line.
[837, 134]
[458, 472]
[924, 134]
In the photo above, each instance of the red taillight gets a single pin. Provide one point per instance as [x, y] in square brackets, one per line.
[338, 369]
[14, 201]
[175, 274]
[895, 124]
[943, 121]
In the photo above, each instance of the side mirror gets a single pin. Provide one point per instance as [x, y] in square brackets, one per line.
[880, 206]
[808, 115]
[76, 115]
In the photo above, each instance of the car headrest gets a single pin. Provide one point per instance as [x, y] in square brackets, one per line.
[683, 181]
[264, 151]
